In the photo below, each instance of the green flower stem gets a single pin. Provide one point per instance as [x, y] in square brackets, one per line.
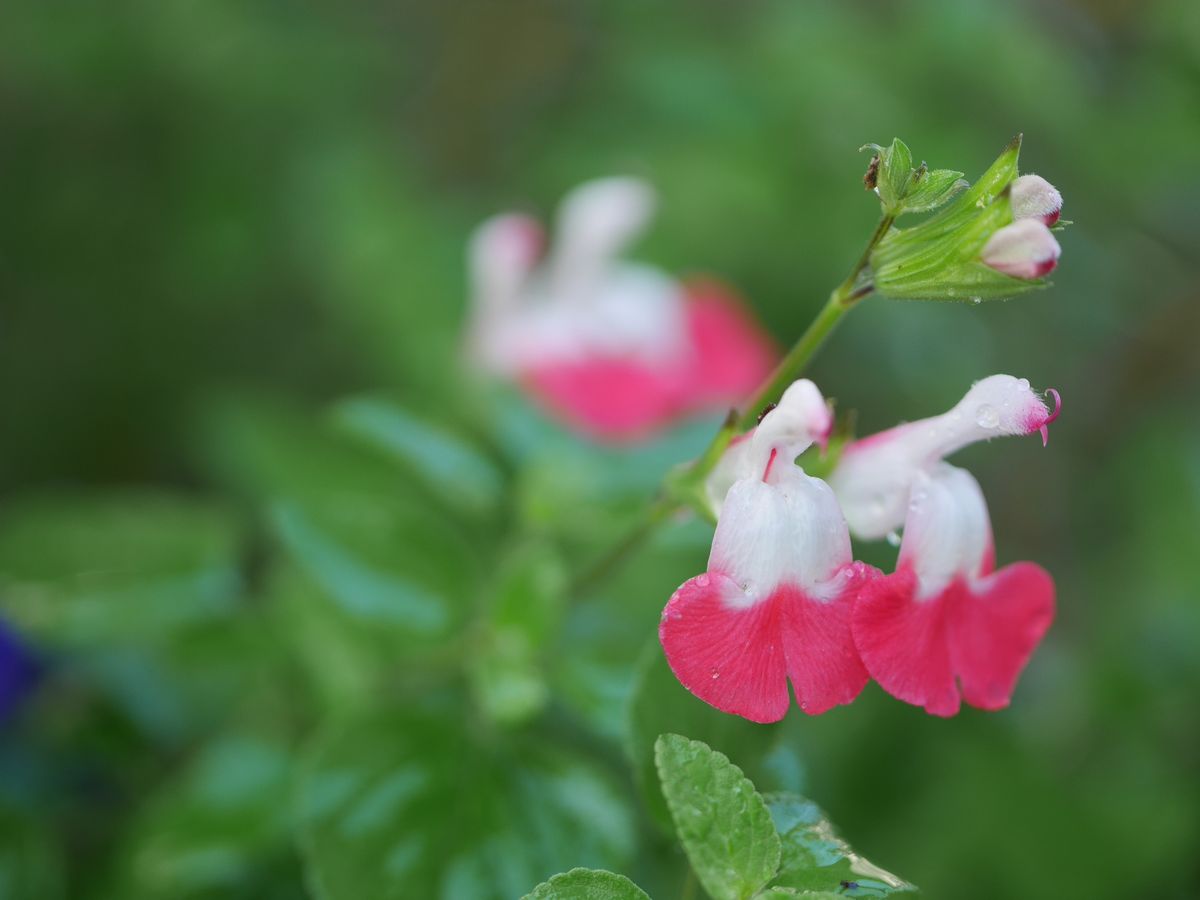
[796, 361]
[684, 486]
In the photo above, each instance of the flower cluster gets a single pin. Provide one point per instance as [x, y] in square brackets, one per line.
[783, 599]
[613, 348]
[616, 349]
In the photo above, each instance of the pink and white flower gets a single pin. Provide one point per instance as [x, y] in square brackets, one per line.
[946, 626]
[809, 418]
[1025, 249]
[1033, 197]
[776, 600]
[612, 347]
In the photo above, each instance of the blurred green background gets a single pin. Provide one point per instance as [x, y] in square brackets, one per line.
[300, 593]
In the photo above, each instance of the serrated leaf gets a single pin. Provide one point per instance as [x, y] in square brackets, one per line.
[587, 884]
[722, 822]
[815, 858]
[660, 705]
[934, 189]
[412, 805]
[453, 469]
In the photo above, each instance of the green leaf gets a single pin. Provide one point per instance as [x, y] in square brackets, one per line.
[895, 170]
[217, 826]
[31, 863]
[526, 610]
[661, 705]
[384, 555]
[343, 661]
[381, 565]
[933, 189]
[723, 823]
[452, 468]
[815, 858]
[587, 884]
[140, 594]
[116, 567]
[411, 805]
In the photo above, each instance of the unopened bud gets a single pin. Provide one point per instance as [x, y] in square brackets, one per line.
[1024, 249]
[1033, 197]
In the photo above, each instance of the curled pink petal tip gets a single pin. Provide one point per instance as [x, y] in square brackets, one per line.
[1057, 404]
[1045, 431]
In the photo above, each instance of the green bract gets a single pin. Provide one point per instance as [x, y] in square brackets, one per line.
[939, 259]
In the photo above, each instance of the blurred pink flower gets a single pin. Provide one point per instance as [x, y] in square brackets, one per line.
[615, 349]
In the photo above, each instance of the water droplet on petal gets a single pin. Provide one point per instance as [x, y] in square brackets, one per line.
[986, 416]
[702, 581]
[716, 674]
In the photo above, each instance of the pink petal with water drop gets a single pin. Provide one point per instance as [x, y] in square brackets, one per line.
[739, 658]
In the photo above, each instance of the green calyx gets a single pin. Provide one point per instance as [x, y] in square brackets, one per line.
[939, 258]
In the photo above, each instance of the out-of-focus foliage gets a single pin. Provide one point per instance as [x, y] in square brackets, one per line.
[302, 597]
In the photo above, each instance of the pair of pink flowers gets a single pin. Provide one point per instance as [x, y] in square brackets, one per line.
[784, 600]
[615, 349]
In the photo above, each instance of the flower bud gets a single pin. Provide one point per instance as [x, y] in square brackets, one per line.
[1024, 249]
[1033, 197]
